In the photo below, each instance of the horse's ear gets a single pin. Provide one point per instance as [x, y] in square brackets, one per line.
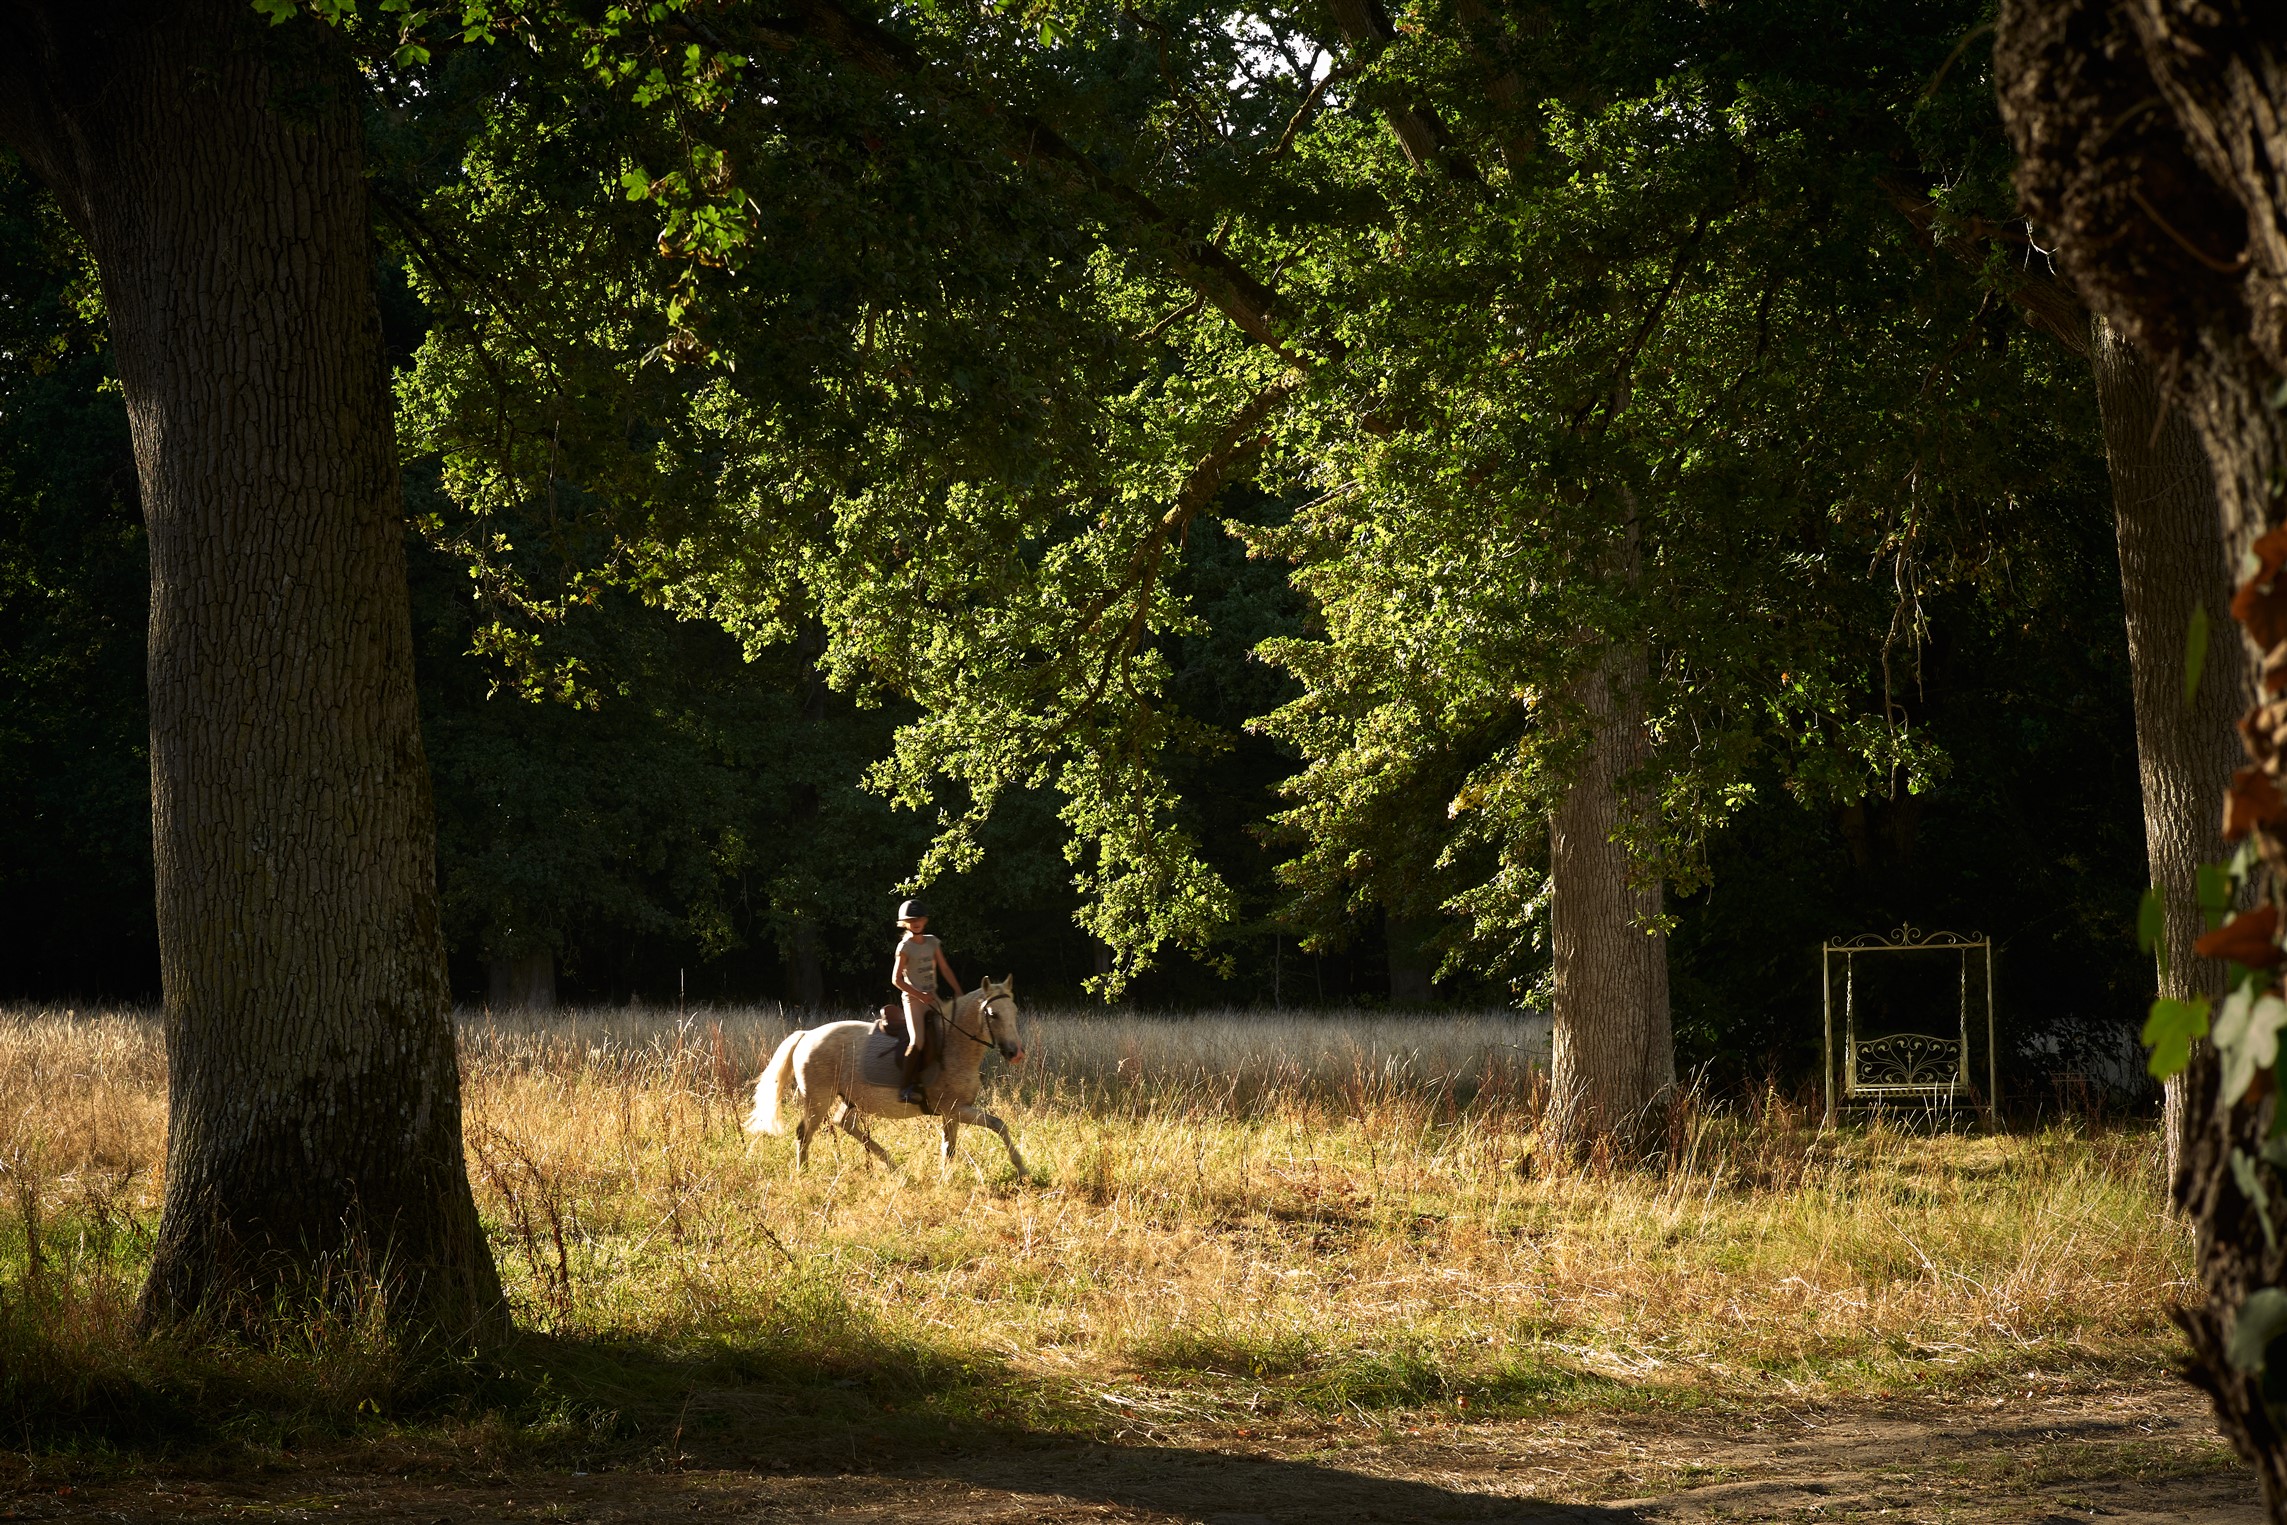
[1008, 984]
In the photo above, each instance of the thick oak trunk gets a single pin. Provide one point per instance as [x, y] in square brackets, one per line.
[1613, 1051]
[215, 166]
[2171, 563]
[2152, 144]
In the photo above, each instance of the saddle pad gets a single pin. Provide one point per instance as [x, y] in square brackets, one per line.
[882, 1063]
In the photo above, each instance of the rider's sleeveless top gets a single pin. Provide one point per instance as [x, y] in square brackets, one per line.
[917, 962]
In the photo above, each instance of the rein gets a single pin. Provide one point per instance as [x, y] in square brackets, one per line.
[984, 1006]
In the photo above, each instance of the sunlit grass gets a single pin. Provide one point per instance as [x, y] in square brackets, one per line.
[1228, 1216]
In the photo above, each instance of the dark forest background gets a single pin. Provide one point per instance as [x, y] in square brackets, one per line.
[698, 823]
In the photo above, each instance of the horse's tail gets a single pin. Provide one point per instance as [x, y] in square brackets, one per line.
[769, 1114]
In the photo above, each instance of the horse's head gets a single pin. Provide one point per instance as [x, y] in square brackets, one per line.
[998, 1004]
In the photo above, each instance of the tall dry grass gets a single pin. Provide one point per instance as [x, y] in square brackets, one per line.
[1228, 1214]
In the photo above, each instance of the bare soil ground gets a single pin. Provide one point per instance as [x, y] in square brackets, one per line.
[2126, 1453]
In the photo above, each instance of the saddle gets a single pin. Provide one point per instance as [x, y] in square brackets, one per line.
[881, 1063]
[891, 1019]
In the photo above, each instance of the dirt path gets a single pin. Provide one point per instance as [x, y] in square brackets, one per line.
[2128, 1455]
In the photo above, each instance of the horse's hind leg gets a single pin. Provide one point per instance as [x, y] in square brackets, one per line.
[806, 1130]
[984, 1119]
[848, 1123]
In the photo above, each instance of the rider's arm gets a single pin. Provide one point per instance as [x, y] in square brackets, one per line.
[947, 970]
[897, 976]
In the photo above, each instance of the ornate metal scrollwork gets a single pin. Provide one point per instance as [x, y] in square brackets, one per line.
[1914, 1061]
[1909, 936]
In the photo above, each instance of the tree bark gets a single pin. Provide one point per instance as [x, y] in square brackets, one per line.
[1613, 1048]
[1613, 1051]
[216, 167]
[1366, 28]
[2152, 145]
[2171, 563]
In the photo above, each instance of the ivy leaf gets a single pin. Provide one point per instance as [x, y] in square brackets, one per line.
[2250, 1181]
[2152, 928]
[2195, 653]
[2262, 1319]
[2215, 893]
[2247, 1035]
[2170, 1031]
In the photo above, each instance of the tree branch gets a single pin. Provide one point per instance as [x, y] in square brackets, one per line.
[1249, 303]
[2041, 298]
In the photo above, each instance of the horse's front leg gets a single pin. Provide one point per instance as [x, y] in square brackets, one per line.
[952, 1130]
[849, 1125]
[971, 1113]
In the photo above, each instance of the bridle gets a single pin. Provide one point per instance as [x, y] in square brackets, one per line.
[982, 1039]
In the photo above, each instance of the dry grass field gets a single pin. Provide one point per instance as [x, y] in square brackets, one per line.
[1236, 1227]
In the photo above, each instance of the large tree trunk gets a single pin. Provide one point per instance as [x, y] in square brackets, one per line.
[215, 166]
[2171, 563]
[2152, 139]
[1613, 1052]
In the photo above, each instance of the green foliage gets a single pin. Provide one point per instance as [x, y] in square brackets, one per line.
[1666, 373]
[914, 349]
[942, 358]
[922, 367]
[2152, 928]
[692, 802]
[2171, 1030]
[1666, 369]
[2217, 886]
[2261, 1320]
[2246, 1038]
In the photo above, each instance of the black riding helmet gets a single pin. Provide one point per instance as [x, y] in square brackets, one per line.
[909, 910]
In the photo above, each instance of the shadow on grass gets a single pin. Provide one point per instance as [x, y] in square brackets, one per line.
[796, 1384]
[886, 1427]
[1294, 1369]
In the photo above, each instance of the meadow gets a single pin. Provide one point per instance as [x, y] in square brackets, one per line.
[1232, 1221]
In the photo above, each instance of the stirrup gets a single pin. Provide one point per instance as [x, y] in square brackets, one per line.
[914, 1096]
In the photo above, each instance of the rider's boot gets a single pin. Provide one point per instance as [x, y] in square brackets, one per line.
[911, 1093]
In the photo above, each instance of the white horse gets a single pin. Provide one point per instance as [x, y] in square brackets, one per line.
[846, 1069]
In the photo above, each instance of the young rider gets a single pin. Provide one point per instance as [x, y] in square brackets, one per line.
[914, 970]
